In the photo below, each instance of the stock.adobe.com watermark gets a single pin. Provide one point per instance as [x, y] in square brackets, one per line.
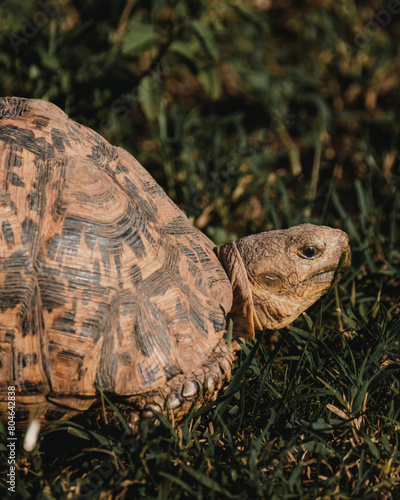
[381, 19]
[11, 439]
[48, 9]
[216, 182]
[103, 469]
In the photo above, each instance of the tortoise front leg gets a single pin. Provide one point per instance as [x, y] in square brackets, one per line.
[176, 398]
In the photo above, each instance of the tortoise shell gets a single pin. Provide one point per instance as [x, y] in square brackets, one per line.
[104, 283]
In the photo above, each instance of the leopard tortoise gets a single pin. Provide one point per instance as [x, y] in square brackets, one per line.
[106, 286]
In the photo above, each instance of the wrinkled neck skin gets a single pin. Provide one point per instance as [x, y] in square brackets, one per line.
[243, 313]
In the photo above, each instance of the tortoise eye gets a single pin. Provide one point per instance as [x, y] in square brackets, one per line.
[309, 251]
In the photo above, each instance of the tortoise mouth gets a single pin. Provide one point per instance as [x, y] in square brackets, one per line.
[324, 276]
[335, 274]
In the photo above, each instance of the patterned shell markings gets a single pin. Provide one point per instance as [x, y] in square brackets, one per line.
[103, 280]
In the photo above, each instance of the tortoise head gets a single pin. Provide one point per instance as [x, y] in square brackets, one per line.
[277, 275]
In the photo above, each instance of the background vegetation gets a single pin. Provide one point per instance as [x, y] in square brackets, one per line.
[252, 115]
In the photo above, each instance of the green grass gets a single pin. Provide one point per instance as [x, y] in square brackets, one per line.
[313, 414]
[252, 118]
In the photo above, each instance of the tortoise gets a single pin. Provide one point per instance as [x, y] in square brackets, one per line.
[105, 285]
